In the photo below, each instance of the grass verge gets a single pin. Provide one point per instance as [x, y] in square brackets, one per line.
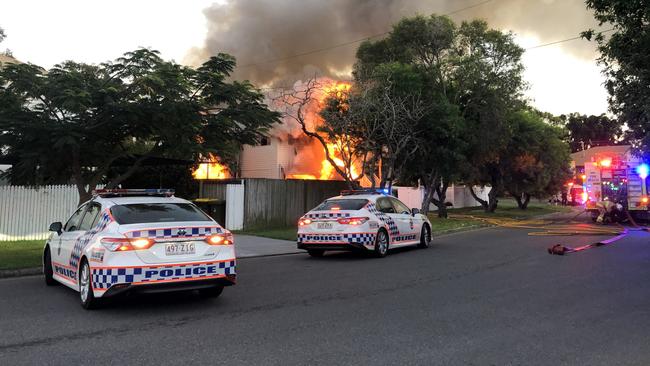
[21, 254]
[286, 233]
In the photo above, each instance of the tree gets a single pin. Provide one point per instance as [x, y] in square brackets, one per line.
[625, 56]
[73, 122]
[3, 35]
[536, 160]
[589, 131]
[489, 87]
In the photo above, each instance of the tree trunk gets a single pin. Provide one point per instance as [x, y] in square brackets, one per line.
[441, 192]
[429, 184]
[493, 201]
[483, 202]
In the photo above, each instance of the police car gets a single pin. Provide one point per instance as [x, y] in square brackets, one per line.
[362, 220]
[125, 240]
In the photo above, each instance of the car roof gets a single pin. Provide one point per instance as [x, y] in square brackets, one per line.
[138, 199]
[369, 197]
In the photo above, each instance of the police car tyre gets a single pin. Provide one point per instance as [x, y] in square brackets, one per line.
[211, 292]
[316, 252]
[48, 272]
[381, 244]
[88, 300]
[425, 237]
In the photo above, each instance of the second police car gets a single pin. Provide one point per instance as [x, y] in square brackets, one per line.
[138, 240]
[362, 220]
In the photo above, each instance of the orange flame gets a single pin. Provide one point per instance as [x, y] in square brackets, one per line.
[212, 170]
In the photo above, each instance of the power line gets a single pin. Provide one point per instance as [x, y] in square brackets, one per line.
[562, 41]
[350, 42]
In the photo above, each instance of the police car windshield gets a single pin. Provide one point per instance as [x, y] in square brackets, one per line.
[139, 213]
[351, 204]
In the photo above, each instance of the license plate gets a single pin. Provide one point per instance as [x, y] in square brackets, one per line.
[325, 225]
[180, 248]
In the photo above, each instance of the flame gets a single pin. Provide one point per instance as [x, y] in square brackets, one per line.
[212, 170]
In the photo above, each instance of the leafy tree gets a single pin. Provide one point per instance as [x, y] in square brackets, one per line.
[75, 121]
[3, 35]
[589, 131]
[625, 56]
[489, 87]
[536, 160]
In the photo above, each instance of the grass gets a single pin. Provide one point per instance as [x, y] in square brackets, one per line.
[286, 233]
[25, 254]
[21, 254]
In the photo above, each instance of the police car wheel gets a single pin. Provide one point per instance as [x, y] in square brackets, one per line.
[425, 237]
[211, 292]
[381, 244]
[88, 300]
[316, 252]
[48, 273]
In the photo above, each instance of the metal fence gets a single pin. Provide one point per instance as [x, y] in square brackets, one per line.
[27, 212]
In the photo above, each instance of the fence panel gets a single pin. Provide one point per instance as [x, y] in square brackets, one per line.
[27, 212]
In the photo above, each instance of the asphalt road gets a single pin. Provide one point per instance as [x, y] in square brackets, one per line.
[487, 297]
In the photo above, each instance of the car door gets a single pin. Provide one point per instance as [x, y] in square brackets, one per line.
[394, 220]
[67, 239]
[406, 223]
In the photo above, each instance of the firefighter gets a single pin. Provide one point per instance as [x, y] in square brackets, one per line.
[608, 207]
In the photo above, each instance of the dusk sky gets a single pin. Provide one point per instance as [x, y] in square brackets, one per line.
[563, 78]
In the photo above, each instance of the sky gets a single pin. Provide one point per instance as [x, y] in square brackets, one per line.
[563, 78]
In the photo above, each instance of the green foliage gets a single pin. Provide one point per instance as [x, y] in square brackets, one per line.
[469, 79]
[536, 160]
[589, 131]
[75, 121]
[625, 56]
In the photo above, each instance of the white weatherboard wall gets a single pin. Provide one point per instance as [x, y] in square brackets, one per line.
[26, 212]
[458, 196]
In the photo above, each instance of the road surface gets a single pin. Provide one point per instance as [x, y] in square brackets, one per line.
[487, 297]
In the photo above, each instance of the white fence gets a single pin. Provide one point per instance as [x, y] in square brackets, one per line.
[27, 212]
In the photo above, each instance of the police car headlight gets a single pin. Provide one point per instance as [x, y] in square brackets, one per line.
[126, 244]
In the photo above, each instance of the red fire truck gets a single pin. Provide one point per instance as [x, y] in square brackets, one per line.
[618, 177]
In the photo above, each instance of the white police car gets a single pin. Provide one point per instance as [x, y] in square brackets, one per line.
[362, 220]
[138, 240]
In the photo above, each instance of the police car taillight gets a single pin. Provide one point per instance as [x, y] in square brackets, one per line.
[353, 220]
[220, 239]
[304, 222]
[126, 244]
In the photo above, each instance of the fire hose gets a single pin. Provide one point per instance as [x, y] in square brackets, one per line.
[568, 227]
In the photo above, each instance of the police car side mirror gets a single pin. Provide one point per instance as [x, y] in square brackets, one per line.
[56, 226]
[415, 211]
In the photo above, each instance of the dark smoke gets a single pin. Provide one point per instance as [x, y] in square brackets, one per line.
[256, 31]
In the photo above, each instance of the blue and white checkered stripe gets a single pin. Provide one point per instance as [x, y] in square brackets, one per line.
[87, 237]
[327, 215]
[104, 278]
[392, 226]
[357, 238]
[173, 233]
[364, 238]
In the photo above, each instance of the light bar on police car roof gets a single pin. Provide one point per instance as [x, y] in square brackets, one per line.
[134, 192]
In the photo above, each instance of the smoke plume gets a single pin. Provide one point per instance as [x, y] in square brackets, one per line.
[258, 31]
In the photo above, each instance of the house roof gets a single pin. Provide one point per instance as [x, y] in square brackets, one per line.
[580, 157]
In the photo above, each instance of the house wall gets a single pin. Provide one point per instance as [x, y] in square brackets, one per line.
[260, 161]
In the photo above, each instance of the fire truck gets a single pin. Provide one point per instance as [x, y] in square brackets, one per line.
[619, 176]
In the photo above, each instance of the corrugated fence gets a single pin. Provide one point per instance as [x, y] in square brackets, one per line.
[27, 212]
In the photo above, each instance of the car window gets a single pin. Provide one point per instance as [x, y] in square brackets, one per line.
[90, 217]
[384, 205]
[73, 222]
[349, 204]
[139, 213]
[400, 207]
